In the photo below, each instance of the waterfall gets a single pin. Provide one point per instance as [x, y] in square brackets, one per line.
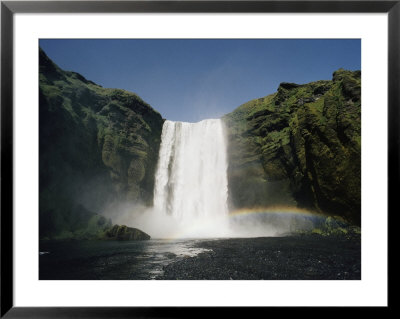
[191, 179]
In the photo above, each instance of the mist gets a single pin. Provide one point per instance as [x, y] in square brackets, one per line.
[191, 192]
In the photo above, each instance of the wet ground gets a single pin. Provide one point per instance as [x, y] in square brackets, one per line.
[287, 258]
[111, 259]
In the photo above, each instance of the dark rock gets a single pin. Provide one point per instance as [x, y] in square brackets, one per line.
[309, 99]
[125, 233]
[320, 90]
[48, 67]
[301, 101]
[288, 86]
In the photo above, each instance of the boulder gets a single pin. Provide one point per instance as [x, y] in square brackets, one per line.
[124, 232]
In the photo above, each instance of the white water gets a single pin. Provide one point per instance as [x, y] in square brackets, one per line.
[191, 185]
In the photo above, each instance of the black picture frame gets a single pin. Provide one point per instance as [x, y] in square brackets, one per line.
[9, 8]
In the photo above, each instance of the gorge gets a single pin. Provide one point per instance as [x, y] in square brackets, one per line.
[298, 149]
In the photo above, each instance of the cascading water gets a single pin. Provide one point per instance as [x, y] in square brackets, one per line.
[191, 191]
[191, 180]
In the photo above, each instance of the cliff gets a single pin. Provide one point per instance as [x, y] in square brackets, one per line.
[300, 146]
[96, 146]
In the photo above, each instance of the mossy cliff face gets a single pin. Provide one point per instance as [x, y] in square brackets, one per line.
[300, 146]
[96, 146]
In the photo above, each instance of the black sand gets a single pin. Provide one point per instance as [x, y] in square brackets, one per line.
[285, 258]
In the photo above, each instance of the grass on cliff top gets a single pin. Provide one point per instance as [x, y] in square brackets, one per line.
[253, 106]
[60, 93]
[287, 101]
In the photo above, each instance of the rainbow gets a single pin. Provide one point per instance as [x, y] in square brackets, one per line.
[275, 210]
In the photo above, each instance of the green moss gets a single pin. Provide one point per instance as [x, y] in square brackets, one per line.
[309, 135]
[318, 231]
[124, 232]
[96, 146]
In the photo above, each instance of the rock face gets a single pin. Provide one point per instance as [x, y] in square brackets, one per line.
[96, 146]
[300, 146]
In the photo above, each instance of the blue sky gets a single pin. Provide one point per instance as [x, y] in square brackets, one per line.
[191, 80]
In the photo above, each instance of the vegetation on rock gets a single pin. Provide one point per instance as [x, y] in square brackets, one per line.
[335, 226]
[96, 146]
[125, 233]
[299, 146]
